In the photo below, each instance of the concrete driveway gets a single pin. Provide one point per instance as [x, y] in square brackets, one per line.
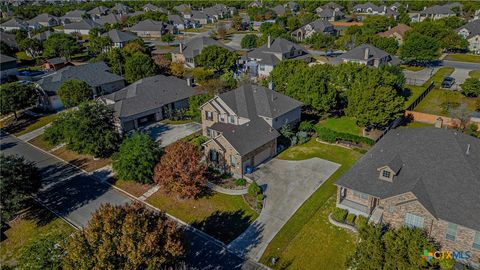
[419, 77]
[236, 41]
[167, 134]
[287, 184]
[460, 75]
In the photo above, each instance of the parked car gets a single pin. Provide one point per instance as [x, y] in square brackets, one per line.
[448, 82]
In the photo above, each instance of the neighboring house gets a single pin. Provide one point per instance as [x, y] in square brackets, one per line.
[9, 39]
[180, 23]
[148, 100]
[97, 75]
[427, 178]
[14, 24]
[372, 9]
[255, 4]
[280, 10]
[435, 12]
[73, 16]
[262, 60]
[471, 32]
[330, 5]
[292, 6]
[368, 55]
[183, 8]
[151, 7]
[110, 18]
[397, 32]
[149, 28]
[82, 27]
[318, 26]
[121, 9]
[45, 19]
[119, 38]
[56, 63]
[242, 126]
[8, 67]
[199, 17]
[98, 11]
[186, 53]
[43, 35]
[328, 14]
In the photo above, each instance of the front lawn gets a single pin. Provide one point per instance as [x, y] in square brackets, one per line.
[26, 123]
[308, 240]
[34, 222]
[437, 101]
[222, 216]
[412, 68]
[86, 162]
[463, 57]
[343, 124]
[132, 187]
[474, 74]
[41, 143]
[438, 77]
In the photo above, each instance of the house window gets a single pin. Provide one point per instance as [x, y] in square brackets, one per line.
[451, 232]
[386, 174]
[213, 155]
[222, 118]
[476, 241]
[261, 68]
[231, 119]
[209, 115]
[233, 161]
[360, 195]
[210, 133]
[413, 221]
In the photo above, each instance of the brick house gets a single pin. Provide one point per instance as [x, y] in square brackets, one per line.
[427, 178]
[242, 126]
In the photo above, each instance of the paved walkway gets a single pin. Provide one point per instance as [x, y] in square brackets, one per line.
[460, 76]
[286, 184]
[33, 134]
[226, 190]
[149, 193]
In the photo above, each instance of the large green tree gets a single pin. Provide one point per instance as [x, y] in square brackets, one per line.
[139, 66]
[369, 253]
[194, 105]
[17, 96]
[249, 41]
[45, 252]
[88, 130]
[419, 48]
[282, 72]
[216, 57]
[18, 181]
[136, 158]
[375, 24]
[125, 237]
[98, 44]
[471, 87]
[74, 92]
[60, 44]
[31, 46]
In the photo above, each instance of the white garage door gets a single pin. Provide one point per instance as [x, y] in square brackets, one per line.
[261, 157]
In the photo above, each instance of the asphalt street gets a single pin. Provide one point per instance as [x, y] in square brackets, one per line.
[71, 193]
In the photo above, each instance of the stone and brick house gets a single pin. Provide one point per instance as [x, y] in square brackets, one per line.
[368, 55]
[397, 32]
[425, 177]
[242, 126]
[471, 32]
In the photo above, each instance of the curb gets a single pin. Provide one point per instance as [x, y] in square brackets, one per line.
[234, 192]
[341, 224]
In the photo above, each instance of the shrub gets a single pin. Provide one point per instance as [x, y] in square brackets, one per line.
[260, 197]
[307, 126]
[360, 222]
[259, 205]
[339, 214]
[447, 264]
[331, 136]
[254, 189]
[351, 219]
[240, 182]
[302, 137]
[294, 140]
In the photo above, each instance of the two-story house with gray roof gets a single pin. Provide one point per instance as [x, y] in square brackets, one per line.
[148, 100]
[150, 28]
[471, 32]
[119, 38]
[45, 20]
[435, 12]
[82, 27]
[242, 126]
[368, 55]
[427, 178]
[318, 26]
[186, 53]
[372, 9]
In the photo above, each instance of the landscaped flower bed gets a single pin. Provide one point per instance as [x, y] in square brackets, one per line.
[342, 216]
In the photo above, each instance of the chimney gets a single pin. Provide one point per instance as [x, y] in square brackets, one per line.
[367, 53]
[269, 41]
[190, 81]
[181, 47]
[468, 150]
[271, 86]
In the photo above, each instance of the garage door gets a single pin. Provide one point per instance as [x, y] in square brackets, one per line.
[261, 157]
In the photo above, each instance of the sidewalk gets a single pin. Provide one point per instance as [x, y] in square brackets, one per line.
[33, 134]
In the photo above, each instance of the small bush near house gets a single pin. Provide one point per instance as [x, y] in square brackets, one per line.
[351, 219]
[254, 189]
[307, 126]
[241, 182]
[260, 197]
[328, 135]
[447, 264]
[339, 214]
[360, 222]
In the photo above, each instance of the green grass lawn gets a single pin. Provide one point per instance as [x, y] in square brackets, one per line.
[414, 124]
[412, 68]
[438, 77]
[41, 143]
[343, 124]
[432, 103]
[35, 222]
[464, 57]
[308, 240]
[23, 56]
[222, 216]
[474, 74]
[26, 123]
[411, 92]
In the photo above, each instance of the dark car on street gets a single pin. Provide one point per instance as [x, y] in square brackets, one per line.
[448, 82]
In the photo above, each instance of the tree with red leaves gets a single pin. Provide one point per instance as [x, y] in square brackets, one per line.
[180, 170]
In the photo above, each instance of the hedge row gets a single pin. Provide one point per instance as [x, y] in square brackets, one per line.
[331, 136]
[342, 215]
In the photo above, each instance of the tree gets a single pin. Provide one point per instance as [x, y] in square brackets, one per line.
[74, 92]
[16, 96]
[281, 73]
[237, 22]
[221, 31]
[293, 23]
[18, 181]
[136, 158]
[116, 61]
[88, 130]
[168, 37]
[177, 69]
[31, 46]
[180, 170]
[139, 66]
[60, 44]
[375, 24]
[320, 41]
[134, 46]
[369, 253]
[45, 252]
[249, 41]
[163, 63]
[216, 57]
[420, 48]
[471, 87]
[98, 44]
[202, 74]
[195, 102]
[125, 237]
[228, 80]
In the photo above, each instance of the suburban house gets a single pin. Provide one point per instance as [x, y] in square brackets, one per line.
[292, 6]
[367, 54]
[186, 53]
[97, 75]
[148, 100]
[43, 35]
[435, 12]
[14, 24]
[255, 4]
[119, 38]
[82, 27]
[45, 20]
[317, 26]
[331, 5]
[280, 10]
[471, 32]
[8, 67]
[328, 14]
[110, 18]
[397, 32]
[9, 39]
[150, 7]
[55, 63]
[199, 17]
[181, 23]
[262, 60]
[242, 126]
[121, 9]
[98, 11]
[73, 16]
[427, 178]
[372, 9]
[149, 28]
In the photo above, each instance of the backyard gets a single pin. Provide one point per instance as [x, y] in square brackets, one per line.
[444, 102]
[33, 223]
[308, 240]
[343, 124]
[463, 57]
